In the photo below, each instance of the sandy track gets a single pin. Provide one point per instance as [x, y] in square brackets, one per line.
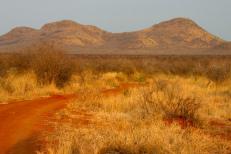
[21, 121]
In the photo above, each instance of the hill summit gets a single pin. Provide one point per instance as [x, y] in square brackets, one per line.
[173, 34]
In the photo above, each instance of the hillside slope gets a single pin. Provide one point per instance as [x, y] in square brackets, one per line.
[179, 32]
[173, 34]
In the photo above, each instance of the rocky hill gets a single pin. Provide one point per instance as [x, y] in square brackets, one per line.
[179, 33]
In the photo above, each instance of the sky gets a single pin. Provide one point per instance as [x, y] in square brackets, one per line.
[117, 15]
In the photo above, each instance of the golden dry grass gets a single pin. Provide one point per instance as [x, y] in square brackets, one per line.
[23, 86]
[131, 123]
[139, 120]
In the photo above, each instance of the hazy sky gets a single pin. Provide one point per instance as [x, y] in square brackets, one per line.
[117, 15]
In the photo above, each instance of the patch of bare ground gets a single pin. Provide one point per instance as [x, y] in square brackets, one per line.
[22, 122]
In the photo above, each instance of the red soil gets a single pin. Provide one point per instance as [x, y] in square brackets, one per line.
[221, 129]
[216, 128]
[118, 90]
[183, 122]
[23, 121]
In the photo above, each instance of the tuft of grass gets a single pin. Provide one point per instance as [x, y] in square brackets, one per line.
[218, 74]
[167, 98]
[23, 86]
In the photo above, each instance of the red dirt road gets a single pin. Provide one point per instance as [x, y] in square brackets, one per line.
[21, 121]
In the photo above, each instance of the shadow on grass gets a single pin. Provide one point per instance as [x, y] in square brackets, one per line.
[27, 146]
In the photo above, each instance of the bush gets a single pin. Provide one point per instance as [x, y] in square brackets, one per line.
[21, 63]
[115, 150]
[218, 74]
[51, 65]
[2, 69]
[123, 149]
[4, 65]
[167, 98]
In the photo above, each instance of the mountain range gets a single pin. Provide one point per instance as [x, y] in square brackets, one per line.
[176, 35]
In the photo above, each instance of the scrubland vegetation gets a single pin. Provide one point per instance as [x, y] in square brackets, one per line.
[177, 104]
[172, 115]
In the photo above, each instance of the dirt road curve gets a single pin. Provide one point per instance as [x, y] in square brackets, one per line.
[21, 121]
